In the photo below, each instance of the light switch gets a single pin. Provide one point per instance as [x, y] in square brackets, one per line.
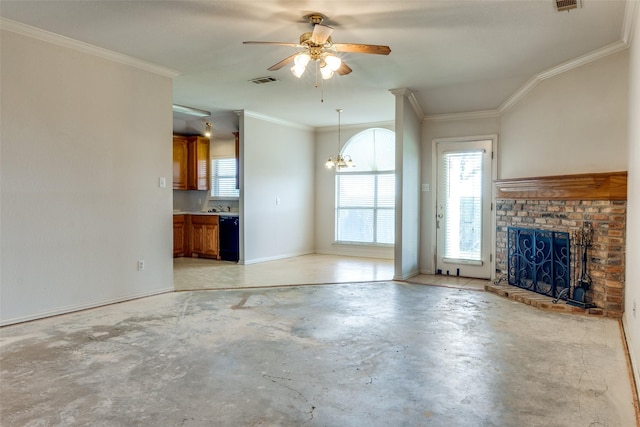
[162, 182]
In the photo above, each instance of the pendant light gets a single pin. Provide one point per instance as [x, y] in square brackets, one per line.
[338, 161]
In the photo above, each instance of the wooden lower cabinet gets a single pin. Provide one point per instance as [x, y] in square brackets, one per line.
[195, 236]
[179, 235]
[204, 236]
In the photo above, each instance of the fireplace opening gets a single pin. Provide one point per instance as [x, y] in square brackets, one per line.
[539, 261]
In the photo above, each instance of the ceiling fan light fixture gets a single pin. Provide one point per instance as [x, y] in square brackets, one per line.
[298, 70]
[302, 59]
[333, 62]
[326, 72]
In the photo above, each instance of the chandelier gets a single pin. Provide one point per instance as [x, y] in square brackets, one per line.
[338, 161]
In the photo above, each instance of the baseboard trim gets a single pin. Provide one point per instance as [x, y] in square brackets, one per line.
[80, 307]
[634, 371]
[273, 258]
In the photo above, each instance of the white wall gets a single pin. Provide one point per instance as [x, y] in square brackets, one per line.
[84, 141]
[326, 146]
[631, 317]
[431, 130]
[406, 254]
[276, 162]
[575, 122]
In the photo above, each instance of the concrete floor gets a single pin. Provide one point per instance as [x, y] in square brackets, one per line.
[365, 354]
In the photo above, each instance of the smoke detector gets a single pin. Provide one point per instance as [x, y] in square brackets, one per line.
[562, 5]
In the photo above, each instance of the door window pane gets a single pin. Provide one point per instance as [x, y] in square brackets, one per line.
[463, 204]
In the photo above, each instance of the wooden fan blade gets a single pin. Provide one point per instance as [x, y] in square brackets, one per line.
[287, 60]
[362, 48]
[321, 34]
[273, 43]
[344, 69]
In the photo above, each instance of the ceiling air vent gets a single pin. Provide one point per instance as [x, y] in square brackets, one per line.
[263, 80]
[562, 5]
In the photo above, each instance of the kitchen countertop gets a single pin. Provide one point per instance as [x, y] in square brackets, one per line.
[206, 213]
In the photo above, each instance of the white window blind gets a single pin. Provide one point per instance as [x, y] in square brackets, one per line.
[223, 177]
[365, 195]
[462, 173]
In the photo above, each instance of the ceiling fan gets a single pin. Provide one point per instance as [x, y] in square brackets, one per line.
[317, 46]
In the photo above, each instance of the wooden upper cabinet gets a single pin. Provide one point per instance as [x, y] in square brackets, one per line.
[199, 163]
[180, 154]
[237, 136]
[191, 163]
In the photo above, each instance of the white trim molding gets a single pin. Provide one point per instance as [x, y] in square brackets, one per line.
[630, 18]
[412, 100]
[47, 36]
[270, 119]
[472, 115]
[385, 125]
[551, 72]
[562, 68]
[79, 307]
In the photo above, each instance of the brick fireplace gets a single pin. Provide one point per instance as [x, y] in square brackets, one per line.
[565, 204]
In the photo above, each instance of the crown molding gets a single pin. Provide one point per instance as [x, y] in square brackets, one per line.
[359, 126]
[562, 68]
[472, 115]
[630, 18]
[47, 36]
[273, 120]
[412, 100]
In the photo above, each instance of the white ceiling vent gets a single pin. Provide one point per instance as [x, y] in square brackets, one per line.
[263, 80]
[562, 5]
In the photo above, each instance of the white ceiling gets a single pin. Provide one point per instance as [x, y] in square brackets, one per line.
[456, 56]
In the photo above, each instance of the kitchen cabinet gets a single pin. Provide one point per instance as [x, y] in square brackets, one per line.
[237, 137]
[204, 236]
[191, 163]
[199, 161]
[179, 235]
[180, 155]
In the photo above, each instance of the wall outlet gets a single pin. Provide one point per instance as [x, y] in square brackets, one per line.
[140, 265]
[277, 200]
[634, 308]
[425, 187]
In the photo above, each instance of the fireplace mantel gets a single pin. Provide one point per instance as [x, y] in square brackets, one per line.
[593, 186]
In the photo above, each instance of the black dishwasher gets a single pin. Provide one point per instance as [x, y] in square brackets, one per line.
[228, 233]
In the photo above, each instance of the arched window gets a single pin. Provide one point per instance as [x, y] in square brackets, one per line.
[365, 194]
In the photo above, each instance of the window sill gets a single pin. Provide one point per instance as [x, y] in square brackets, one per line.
[372, 245]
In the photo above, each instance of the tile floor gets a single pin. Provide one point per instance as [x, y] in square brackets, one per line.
[198, 273]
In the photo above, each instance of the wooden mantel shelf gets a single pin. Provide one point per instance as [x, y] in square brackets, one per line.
[593, 186]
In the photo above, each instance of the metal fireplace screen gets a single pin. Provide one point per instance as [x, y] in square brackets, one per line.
[539, 260]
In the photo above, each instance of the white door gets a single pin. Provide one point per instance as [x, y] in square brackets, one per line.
[463, 208]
